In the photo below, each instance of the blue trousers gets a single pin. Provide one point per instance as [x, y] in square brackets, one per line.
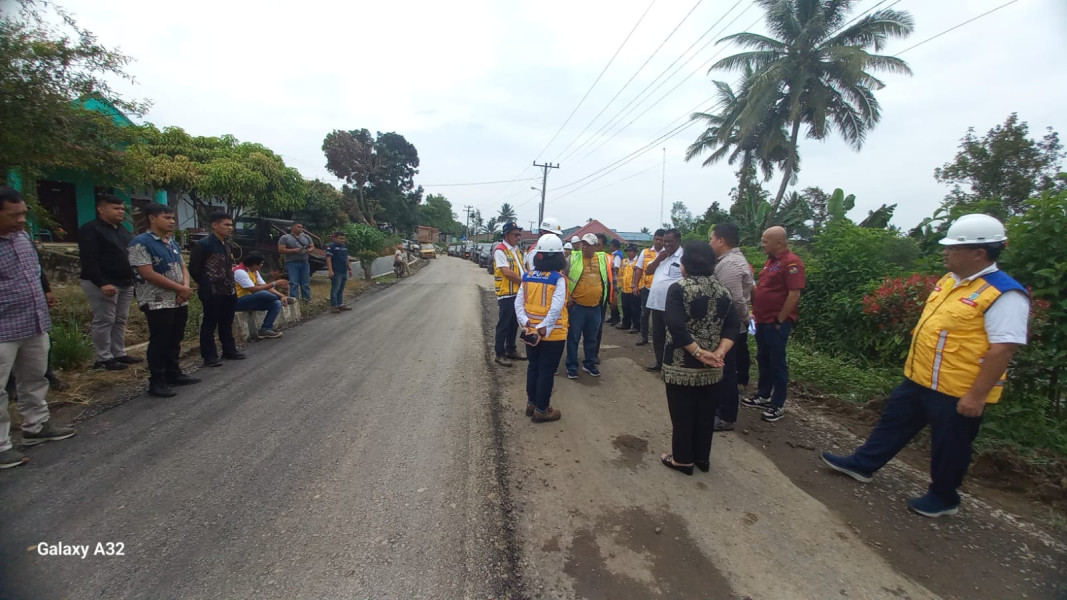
[540, 372]
[337, 288]
[770, 356]
[585, 324]
[299, 278]
[262, 300]
[909, 408]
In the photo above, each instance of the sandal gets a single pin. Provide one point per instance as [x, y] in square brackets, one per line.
[668, 461]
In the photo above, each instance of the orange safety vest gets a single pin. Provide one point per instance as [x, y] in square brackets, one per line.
[538, 288]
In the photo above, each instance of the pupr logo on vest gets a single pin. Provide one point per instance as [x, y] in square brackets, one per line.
[970, 300]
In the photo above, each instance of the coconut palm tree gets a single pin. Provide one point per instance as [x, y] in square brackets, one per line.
[507, 213]
[761, 147]
[816, 71]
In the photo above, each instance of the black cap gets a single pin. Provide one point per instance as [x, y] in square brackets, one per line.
[615, 242]
[511, 226]
[631, 247]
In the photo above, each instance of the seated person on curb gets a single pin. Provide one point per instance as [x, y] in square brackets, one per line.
[255, 294]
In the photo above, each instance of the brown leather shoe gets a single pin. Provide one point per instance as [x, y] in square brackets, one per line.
[550, 414]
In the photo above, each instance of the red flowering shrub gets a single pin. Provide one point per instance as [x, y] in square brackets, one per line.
[891, 311]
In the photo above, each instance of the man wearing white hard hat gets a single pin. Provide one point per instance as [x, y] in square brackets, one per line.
[549, 225]
[973, 322]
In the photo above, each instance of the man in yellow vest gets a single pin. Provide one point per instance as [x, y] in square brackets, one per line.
[643, 278]
[631, 309]
[587, 286]
[507, 273]
[973, 322]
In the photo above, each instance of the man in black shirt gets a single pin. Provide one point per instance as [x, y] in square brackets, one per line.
[107, 279]
[211, 267]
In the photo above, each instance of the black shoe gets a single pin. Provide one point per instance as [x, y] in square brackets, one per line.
[110, 365]
[502, 361]
[668, 461]
[611, 321]
[129, 360]
[182, 380]
[530, 408]
[721, 425]
[234, 356]
[212, 362]
[514, 355]
[642, 342]
[654, 368]
[703, 465]
[634, 331]
[48, 433]
[160, 389]
[12, 458]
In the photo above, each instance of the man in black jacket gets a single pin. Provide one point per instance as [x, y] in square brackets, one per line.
[211, 267]
[107, 279]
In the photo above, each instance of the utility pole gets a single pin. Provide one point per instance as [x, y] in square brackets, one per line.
[544, 185]
[662, 187]
[467, 226]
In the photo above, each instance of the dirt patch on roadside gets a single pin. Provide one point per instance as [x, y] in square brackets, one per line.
[632, 450]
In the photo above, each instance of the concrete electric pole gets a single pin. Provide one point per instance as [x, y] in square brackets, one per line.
[544, 186]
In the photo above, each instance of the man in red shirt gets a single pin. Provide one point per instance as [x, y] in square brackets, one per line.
[774, 308]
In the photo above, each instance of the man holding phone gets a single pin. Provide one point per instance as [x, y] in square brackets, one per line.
[296, 246]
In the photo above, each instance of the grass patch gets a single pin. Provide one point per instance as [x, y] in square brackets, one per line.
[71, 348]
[824, 374]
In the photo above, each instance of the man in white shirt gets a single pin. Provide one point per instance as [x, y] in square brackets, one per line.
[508, 270]
[667, 269]
[254, 294]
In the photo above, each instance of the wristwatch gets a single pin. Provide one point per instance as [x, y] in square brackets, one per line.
[696, 353]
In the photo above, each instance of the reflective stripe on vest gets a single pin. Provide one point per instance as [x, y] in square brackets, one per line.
[505, 286]
[949, 342]
[626, 274]
[538, 289]
[647, 256]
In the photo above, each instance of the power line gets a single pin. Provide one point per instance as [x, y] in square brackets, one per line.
[699, 69]
[988, 12]
[598, 77]
[426, 185]
[634, 76]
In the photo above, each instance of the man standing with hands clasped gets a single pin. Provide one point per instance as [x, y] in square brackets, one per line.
[211, 266]
[107, 280]
[295, 247]
[775, 308]
[162, 289]
[973, 322]
[339, 270]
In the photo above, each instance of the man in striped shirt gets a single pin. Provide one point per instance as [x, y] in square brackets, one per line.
[733, 271]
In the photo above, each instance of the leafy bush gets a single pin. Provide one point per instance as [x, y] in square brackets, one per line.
[839, 376]
[71, 348]
[891, 310]
[366, 243]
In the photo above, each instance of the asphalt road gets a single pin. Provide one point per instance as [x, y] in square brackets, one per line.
[352, 458]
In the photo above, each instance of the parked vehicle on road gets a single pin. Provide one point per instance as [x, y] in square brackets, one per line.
[428, 251]
[260, 234]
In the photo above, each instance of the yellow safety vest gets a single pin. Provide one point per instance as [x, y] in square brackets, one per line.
[949, 342]
[626, 275]
[647, 256]
[242, 292]
[505, 286]
[538, 288]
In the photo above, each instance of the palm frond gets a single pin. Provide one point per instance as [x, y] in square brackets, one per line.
[755, 40]
[875, 29]
[741, 60]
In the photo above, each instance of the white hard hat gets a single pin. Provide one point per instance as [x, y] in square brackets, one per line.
[568, 246]
[975, 229]
[551, 225]
[549, 244]
[576, 240]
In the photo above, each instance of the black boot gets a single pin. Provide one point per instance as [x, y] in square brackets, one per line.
[160, 389]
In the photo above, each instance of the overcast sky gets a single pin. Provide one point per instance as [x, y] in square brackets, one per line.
[481, 86]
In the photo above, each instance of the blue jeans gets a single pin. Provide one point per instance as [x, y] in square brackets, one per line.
[909, 408]
[299, 278]
[337, 288]
[543, 362]
[584, 324]
[262, 300]
[770, 356]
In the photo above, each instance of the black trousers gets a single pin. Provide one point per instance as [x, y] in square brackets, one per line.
[645, 313]
[692, 417]
[615, 310]
[600, 328]
[729, 396]
[659, 335]
[166, 328]
[743, 360]
[540, 372]
[218, 315]
[507, 326]
[631, 311]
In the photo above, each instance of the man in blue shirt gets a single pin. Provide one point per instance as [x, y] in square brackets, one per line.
[339, 270]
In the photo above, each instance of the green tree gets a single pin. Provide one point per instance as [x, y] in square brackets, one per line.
[645, 230]
[323, 211]
[818, 201]
[392, 187]
[366, 243]
[436, 211]
[681, 218]
[52, 75]
[506, 214]
[247, 177]
[490, 225]
[350, 155]
[816, 72]
[1004, 165]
